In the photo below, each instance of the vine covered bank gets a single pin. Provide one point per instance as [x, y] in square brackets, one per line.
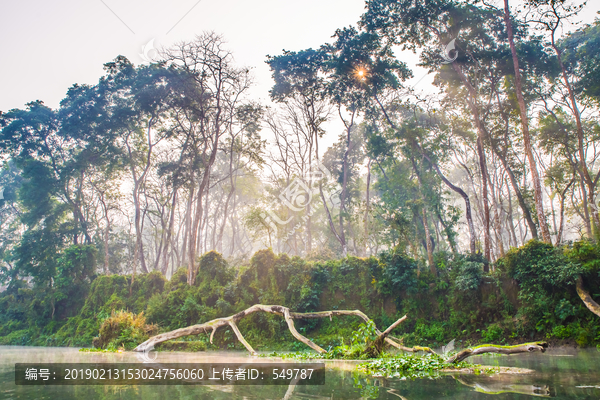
[529, 295]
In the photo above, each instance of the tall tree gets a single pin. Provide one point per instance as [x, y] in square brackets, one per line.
[216, 91]
[537, 185]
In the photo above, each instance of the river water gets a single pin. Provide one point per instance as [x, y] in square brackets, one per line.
[558, 373]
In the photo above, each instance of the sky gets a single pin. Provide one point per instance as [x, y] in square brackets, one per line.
[50, 45]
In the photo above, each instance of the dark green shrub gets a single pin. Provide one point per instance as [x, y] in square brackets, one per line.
[493, 334]
[467, 275]
[546, 277]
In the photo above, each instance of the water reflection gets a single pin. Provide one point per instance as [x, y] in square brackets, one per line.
[502, 383]
[561, 374]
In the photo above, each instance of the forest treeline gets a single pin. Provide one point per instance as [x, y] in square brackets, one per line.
[158, 164]
[530, 295]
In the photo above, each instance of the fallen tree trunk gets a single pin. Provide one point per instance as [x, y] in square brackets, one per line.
[215, 324]
[416, 349]
[493, 348]
[586, 298]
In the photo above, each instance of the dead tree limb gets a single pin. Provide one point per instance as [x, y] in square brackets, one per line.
[416, 349]
[376, 346]
[324, 314]
[494, 348]
[215, 324]
[586, 298]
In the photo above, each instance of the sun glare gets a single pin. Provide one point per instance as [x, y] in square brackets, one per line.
[360, 73]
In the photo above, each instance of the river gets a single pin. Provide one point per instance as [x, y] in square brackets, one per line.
[559, 373]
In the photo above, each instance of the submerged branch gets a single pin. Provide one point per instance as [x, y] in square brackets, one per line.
[494, 348]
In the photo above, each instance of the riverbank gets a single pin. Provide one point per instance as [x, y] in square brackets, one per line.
[529, 296]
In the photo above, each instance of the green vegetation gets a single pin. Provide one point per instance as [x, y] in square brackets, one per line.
[529, 295]
[413, 366]
[123, 329]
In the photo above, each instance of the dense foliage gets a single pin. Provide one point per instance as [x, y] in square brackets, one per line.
[530, 295]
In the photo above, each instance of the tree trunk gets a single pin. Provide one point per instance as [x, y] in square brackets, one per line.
[586, 298]
[511, 224]
[169, 234]
[497, 224]
[539, 204]
[428, 245]
[106, 253]
[472, 103]
[368, 199]
[493, 348]
[194, 235]
[561, 225]
[582, 159]
[345, 177]
[485, 196]
[586, 210]
[468, 214]
[517, 190]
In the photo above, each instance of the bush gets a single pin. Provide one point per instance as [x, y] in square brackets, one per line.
[124, 329]
[493, 334]
[432, 331]
[396, 272]
[546, 277]
[21, 338]
[467, 275]
[561, 332]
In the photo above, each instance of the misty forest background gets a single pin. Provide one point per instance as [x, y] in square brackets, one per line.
[154, 199]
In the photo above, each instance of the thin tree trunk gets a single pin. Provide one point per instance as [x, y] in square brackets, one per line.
[520, 198]
[561, 224]
[539, 204]
[510, 218]
[468, 214]
[591, 185]
[366, 222]
[586, 212]
[472, 103]
[345, 177]
[169, 234]
[195, 234]
[428, 244]
[497, 224]
[486, 205]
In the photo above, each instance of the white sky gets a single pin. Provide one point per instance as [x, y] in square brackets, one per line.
[50, 45]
